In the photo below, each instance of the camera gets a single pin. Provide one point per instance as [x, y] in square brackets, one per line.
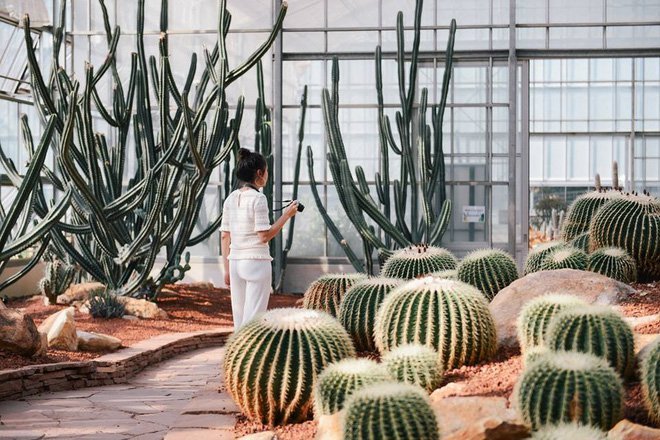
[301, 207]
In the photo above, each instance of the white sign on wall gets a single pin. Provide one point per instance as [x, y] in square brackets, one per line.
[474, 214]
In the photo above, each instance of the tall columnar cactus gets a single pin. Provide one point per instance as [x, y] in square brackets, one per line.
[420, 210]
[450, 316]
[598, 330]
[536, 315]
[327, 291]
[566, 431]
[650, 378]
[341, 379]
[122, 216]
[489, 270]
[393, 411]
[57, 278]
[415, 261]
[564, 387]
[272, 363]
[538, 254]
[357, 311]
[613, 262]
[582, 210]
[415, 364]
[632, 223]
[565, 258]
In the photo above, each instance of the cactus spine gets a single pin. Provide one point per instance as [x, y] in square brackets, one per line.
[489, 270]
[57, 278]
[615, 263]
[598, 330]
[569, 387]
[415, 261]
[392, 411]
[357, 311]
[536, 315]
[341, 379]
[415, 364]
[538, 254]
[327, 291]
[565, 258]
[566, 431]
[450, 316]
[272, 363]
[650, 375]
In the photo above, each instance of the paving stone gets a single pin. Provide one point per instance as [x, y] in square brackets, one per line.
[199, 434]
[20, 434]
[208, 421]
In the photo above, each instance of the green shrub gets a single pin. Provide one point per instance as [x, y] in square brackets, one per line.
[105, 304]
[450, 316]
[326, 292]
[415, 364]
[537, 255]
[489, 270]
[615, 263]
[565, 258]
[357, 311]
[272, 363]
[650, 375]
[415, 261]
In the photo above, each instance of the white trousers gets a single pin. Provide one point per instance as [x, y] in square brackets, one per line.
[250, 283]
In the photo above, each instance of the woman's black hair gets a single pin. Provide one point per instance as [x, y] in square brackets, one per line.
[249, 162]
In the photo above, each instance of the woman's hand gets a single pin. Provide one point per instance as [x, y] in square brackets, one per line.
[227, 278]
[292, 209]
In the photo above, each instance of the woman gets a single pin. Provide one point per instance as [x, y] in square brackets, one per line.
[246, 231]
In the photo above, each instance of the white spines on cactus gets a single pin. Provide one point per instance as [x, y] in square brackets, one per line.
[328, 290]
[415, 364]
[416, 261]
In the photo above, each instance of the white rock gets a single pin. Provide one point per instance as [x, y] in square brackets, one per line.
[61, 330]
[142, 308]
[90, 341]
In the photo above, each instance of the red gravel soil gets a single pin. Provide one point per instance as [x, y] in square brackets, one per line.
[190, 308]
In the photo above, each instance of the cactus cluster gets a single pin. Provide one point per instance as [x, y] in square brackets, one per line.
[537, 314]
[393, 411]
[415, 261]
[650, 378]
[450, 316]
[105, 304]
[613, 262]
[598, 330]
[569, 431]
[631, 222]
[563, 387]
[582, 242]
[327, 291]
[450, 274]
[565, 257]
[581, 212]
[537, 255]
[357, 311]
[341, 379]
[415, 364]
[489, 270]
[272, 363]
[58, 276]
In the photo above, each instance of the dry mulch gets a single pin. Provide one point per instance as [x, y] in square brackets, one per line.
[190, 308]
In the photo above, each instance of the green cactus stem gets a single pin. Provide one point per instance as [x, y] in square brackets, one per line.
[538, 254]
[489, 270]
[328, 290]
[613, 262]
[650, 378]
[415, 261]
[565, 258]
[415, 364]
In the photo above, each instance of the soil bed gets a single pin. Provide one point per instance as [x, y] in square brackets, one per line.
[190, 308]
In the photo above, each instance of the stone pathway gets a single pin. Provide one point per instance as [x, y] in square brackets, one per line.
[176, 399]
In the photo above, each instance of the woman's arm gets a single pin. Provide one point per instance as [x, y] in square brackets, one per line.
[226, 241]
[268, 235]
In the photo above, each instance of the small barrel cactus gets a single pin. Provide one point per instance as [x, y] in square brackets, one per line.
[597, 330]
[415, 364]
[650, 375]
[450, 316]
[581, 212]
[446, 274]
[533, 354]
[565, 258]
[615, 263]
[415, 261]
[58, 276]
[538, 254]
[569, 387]
[341, 379]
[489, 270]
[272, 363]
[582, 242]
[569, 431]
[357, 311]
[327, 291]
[392, 411]
[632, 223]
[535, 317]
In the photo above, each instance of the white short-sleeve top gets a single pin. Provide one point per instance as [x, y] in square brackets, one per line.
[244, 213]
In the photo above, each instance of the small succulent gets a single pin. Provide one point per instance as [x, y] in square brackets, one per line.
[105, 304]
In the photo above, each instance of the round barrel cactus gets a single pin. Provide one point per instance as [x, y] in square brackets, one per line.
[537, 255]
[450, 316]
[650, 375]
[392, 411]
[358, 308]
[533, 354]
[272, 363]
[569, 431]
[535, 317]
[450, 274]
[489, 270]
[415, 261]
[597, 330]
[615, 263]
[580, 213]
[563, 387]
[415, 364]
[632, 223]
[341, 379]
[327, 291]
[581, 242]
[565, 258]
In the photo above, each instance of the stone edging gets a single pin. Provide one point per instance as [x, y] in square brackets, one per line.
[108, 369]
